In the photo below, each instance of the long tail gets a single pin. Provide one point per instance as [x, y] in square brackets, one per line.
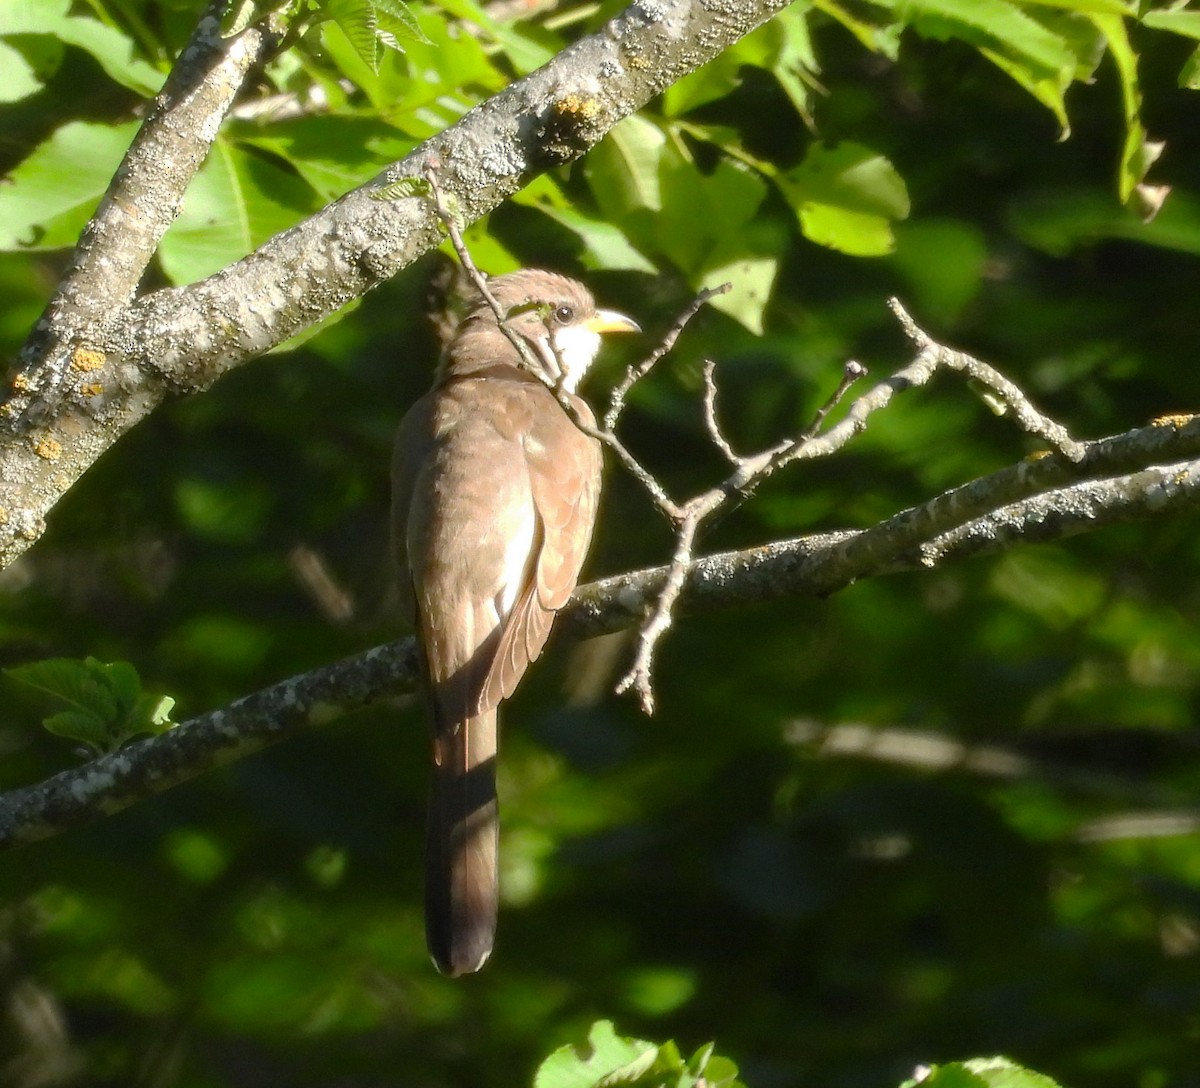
[462, 845]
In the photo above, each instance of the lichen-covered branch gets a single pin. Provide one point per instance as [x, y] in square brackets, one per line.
[87, 381]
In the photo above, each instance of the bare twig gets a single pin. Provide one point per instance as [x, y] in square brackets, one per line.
[749, 471]
[616, 403]
[1011, 398]
[710, 414]
[1142, 475]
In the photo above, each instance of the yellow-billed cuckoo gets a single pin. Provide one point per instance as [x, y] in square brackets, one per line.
[494, 493]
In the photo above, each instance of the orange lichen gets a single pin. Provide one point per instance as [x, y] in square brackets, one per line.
[87, 359]
[581, 107]
[47, 447]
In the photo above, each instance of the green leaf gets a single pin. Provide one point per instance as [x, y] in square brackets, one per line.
[623, 169]
[607, 1056]
[984, 1073]
[81, 727]
[113, 50]
[47, 200]
[703, 213]
[84, 685]
[356, 19]
[1184, 23]
[878, 39]
[238, 15]
[395, 22]
[752, 277]
[151, 713]
[106, 704]
[1189, 74]
[20, 79]
[1137, 153]
[605, 244]
[373, 25]
[995, 23]
[845, 197]
[403, 188]
[1059, 222]
[333, 154]
[237, 201]
[781, 46]
[1082, 7]
[522, 50]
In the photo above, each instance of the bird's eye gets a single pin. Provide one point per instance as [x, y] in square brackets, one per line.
[564, 314]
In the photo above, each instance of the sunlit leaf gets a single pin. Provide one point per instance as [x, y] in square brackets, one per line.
[112, 49]
[48, 198]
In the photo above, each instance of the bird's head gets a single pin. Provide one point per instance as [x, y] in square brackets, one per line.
[556, 316]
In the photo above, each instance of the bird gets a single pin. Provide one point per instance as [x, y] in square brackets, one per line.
[494, 497]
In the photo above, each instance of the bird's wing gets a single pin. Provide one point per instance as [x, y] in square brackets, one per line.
[564, 474]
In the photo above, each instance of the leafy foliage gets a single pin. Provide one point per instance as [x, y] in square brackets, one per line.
[106, 704]
[611, 1061]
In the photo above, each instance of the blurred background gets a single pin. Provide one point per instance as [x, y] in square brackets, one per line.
[802, 855]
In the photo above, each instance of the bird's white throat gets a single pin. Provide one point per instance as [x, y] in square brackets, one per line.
[575, 349]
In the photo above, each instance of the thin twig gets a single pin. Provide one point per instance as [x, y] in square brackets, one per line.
[710, 414]
[1013, 400]
[749, 471]
[616, 403]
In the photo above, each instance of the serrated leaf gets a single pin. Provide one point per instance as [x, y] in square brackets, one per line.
[406, 187]
[996, 23]
[1000, 1072]
[78, 683]
[995, 1072]
[80, 726]
[238, 16]
[606, 1054]
[1136, 151]
[632, 1071]
[879, 39]
[356, 19]
[396, 20]
[48, 198]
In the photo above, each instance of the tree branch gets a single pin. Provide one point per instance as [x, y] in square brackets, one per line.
[1120, 479]
[87, 381]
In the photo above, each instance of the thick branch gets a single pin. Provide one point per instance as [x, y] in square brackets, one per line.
[146, 192]
[984, 517]
[119, 367]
